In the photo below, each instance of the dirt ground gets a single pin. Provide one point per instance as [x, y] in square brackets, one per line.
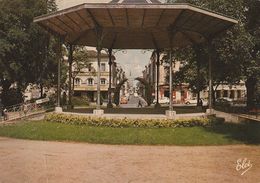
[53, 162]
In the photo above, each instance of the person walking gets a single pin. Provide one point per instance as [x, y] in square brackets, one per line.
[139, 103]
[25, 108]
[5, 114]
[1, 110]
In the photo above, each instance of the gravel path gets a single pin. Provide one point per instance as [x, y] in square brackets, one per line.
[37, 161]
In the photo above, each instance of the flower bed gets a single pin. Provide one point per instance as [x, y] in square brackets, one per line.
[129, 123]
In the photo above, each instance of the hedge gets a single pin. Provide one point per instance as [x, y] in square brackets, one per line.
[126, 123]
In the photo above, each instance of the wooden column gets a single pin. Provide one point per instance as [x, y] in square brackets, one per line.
[170, 82]
[110, 105]
[210, 75]
[99, 48]
[157, 105]
[70, 60]
[59, 73]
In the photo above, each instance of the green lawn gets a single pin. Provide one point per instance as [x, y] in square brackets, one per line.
[217, 135]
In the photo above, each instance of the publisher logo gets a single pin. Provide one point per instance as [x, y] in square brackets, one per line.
[243, 165]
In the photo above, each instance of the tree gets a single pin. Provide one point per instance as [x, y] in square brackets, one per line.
[27, 52]
[192, 71]
[236, 53]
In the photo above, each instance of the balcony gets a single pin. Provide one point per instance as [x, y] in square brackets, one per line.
[85, 87]
[104, 74]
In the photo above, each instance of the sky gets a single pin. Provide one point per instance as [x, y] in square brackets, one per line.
[133, 61]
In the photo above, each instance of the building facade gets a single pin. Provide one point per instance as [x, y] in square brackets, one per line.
[63, 4]
[182, 92]
[85, 82]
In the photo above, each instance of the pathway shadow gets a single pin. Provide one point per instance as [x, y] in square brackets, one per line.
[149, 110]
[247, 132]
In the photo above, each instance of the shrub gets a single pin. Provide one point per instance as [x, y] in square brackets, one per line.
[80, 101]
[216, 121]
[126, 123]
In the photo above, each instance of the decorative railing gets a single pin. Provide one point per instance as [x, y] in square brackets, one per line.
[22, 110]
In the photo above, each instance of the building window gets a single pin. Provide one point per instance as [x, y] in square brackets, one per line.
[103, 81]
[77, 81]
[218, 94]
[239, 94]
[90, 67]
[103, 67]
[232, 94]
[225, 94]
[90, 81]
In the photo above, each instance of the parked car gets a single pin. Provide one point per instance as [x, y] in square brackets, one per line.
[164, 100]
[224, 101]
[191, 101]
[123, 100]
[194, 101]
[239, 102]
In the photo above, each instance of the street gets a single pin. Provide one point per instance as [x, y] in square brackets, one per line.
[41, 162]
[132, 102]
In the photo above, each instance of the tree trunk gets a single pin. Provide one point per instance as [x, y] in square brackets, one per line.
[250, 90]
[199, 104]
[6, 84]
[73, 85]
[148, 95]
[41, 87]
[213, 95]
[198, 64]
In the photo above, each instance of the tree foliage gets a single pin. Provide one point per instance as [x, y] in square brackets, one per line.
[27, 52]
[236, 52]
[81, 61]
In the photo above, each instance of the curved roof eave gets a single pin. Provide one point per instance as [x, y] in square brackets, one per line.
[132, 26]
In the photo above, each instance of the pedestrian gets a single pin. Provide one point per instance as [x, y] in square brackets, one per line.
[1, 109]
[5, 114]
[200, 103]
[139, 103]
[25, 109]
[64, 98]
[2, 114]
